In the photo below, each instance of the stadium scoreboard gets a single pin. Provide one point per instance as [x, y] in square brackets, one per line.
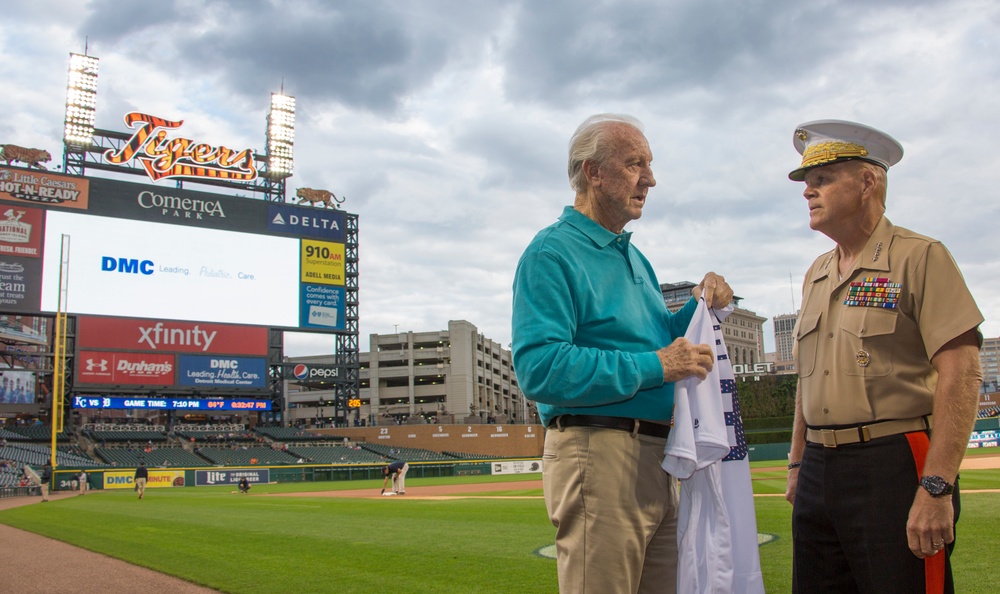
[221, 404]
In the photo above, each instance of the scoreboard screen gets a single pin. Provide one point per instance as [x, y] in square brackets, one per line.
[221, 404]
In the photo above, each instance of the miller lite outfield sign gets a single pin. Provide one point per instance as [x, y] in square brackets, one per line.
[163, 156]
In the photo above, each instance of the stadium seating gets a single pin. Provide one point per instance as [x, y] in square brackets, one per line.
[38, 455]
[993, 411]
[284, 434]
[408, 454]
[36, 433]
[244, 456]
[155, 458]
[335, 454]
[126, 436]
[216, 435]
[467, 456]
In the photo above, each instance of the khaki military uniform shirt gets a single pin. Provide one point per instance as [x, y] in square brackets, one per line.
[863, 344]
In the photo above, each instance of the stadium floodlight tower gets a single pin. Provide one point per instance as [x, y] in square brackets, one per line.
[81, 105]
[280, 138]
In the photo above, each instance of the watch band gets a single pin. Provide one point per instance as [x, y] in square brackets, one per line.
[936, 486]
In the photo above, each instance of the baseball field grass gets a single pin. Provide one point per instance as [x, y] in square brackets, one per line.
[486, 542]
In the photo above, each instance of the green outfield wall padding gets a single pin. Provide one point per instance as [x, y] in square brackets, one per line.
[769, 451]
[987, 424]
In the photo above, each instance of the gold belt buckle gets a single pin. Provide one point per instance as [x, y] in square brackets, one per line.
[829, 437]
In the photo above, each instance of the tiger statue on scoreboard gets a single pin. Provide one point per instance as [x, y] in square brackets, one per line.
[30, 156]
[324, 197]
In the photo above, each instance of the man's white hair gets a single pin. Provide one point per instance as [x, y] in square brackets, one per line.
[589, 143]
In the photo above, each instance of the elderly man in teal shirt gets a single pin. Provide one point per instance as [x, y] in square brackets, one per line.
[596, 348]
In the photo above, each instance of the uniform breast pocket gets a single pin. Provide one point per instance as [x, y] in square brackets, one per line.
[869, 340]
[806, 342]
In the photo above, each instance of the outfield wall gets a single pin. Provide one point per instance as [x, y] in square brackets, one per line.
[122, 478]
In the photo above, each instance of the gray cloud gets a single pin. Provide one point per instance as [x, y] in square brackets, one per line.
[445, 124]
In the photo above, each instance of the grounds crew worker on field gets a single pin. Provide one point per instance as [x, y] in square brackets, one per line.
[397, 470]
[140, 478]
[887, 351]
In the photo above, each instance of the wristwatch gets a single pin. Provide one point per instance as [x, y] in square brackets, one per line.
[936, 486]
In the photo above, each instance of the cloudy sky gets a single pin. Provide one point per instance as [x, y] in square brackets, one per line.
[445, 123]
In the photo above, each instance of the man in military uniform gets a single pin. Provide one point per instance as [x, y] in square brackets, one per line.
[887, 350]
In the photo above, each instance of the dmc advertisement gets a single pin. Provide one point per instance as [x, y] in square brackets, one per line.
[222, 372]
[139, 269]
[206, 478]
[157, 479]
[128, 334]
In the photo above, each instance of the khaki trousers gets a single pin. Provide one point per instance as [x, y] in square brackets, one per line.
[614, 509]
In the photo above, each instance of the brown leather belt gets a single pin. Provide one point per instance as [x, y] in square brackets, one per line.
[832, 438]
[633, 426]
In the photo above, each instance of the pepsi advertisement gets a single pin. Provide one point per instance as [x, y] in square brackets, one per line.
[313, 372]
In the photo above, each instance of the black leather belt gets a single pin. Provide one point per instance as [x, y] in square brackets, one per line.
[633, 426]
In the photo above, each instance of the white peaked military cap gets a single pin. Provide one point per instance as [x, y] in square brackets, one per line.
[824, 142]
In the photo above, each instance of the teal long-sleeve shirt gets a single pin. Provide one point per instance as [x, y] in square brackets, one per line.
[588, 318]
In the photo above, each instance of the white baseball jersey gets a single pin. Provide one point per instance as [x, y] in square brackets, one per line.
[706, 450]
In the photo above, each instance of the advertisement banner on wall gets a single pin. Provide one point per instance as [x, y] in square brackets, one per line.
[321, 306]
[157, 479]
[176, 206]
[20, 284]
[130, 334]
[302, 221]
[205, 478]
[222, 372]
[41, 187]
[517, 467]
[134, 369]
[148, 270]
[21, 231]
[322, 262]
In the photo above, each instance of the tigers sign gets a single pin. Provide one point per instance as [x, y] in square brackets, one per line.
[164, 157]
